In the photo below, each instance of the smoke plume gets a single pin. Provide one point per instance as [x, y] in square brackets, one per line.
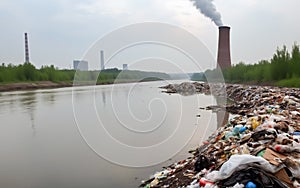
[207, 8]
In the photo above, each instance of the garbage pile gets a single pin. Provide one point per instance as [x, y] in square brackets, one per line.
[186, 88]
[259, 146]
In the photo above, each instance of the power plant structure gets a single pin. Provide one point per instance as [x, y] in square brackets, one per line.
[224, 59]
[81, 65]
[125, 66]
[102, 67]
[26, 48]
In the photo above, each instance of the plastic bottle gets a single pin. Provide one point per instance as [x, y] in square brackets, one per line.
[243, 129]
[250, 184]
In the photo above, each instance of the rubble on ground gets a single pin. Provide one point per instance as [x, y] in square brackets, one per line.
[259, 146]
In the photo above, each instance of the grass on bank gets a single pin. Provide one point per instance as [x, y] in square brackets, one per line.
[292, 82]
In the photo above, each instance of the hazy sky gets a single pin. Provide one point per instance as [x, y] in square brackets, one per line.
[63, 30]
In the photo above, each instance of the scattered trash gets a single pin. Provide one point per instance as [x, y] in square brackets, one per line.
[201, 163]
[258, 147]
[250, 184]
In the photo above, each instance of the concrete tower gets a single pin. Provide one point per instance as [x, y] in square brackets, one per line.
[102, 60]
[224, 59]
[26, 49]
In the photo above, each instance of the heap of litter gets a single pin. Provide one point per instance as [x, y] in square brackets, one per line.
[258, 147]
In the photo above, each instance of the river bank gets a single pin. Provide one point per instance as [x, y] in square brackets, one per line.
[33, 85]
[49, 84]
[259, 146]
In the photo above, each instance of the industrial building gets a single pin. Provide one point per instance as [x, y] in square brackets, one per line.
[125, 66]
[80, 65]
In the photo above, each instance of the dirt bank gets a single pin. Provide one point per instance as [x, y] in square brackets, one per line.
[49, 84]
[33, 85]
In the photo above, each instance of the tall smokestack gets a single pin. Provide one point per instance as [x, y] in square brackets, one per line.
[224, 60]
[26, 49]
[102, 59]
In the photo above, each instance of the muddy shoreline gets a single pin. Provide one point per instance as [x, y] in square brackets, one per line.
[48, 85]
[33, 85]
[265, 128]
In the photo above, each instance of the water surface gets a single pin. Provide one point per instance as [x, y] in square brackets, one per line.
[41, 133]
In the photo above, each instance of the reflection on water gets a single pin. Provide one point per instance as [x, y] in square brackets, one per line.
[49, 97]
[28, 102]
[24, 100]
[222, 115]
[103, 97]
[222, 118]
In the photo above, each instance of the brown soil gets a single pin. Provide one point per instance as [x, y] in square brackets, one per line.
[33, 85]
[49, 84]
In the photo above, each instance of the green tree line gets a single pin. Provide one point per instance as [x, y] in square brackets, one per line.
[27, 72]
[283, 69]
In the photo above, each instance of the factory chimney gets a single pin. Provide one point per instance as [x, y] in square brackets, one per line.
[26, 49]
[102, 59]
[224, 60]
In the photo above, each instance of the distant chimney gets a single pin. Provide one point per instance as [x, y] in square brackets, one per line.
[102, 60]
[26, 49]
[224, 60]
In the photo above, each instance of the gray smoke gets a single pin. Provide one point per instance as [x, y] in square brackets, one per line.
[207, 8]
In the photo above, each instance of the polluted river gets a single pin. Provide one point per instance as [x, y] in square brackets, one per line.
[58, 137]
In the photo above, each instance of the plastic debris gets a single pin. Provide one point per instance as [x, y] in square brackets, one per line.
[250, 184]
[258, 147]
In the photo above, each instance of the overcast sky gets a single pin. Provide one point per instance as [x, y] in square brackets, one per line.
[63, 30]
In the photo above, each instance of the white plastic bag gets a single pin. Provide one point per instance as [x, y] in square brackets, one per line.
[240, 162]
